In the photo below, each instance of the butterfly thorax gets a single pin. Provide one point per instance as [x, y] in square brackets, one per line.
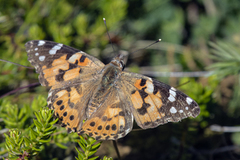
[110, 75]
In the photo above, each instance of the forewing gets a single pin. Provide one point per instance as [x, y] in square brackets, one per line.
[155, 103]
[112, 120]
[57, 63]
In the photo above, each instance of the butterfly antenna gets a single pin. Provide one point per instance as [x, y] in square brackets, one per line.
[16, 64]
[182, 84]
[108, 34]
[147, 46]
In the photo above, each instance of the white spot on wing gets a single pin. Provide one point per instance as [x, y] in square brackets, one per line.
[41, 58]
[36, 54]
[149, 88]
[172, 95]
[189, 100]
[40, 43]
[186, 108]
[173, 88]
[171, 98]
[55, 49]
[52, 52]
[36, 49]
[173, 110]
[180, 111]
[73, 58]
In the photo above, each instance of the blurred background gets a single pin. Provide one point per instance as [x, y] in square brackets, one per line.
[199, 54]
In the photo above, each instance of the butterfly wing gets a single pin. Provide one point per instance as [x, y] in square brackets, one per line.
[58, 63]
[154, 103]
[112, 120]
[72, 74]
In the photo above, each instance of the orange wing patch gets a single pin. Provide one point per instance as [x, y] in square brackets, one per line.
[71, 74]
[60, 61]
[63, 69]
[136, 100]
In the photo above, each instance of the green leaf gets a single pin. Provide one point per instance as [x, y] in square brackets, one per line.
[96, 146]
[45, 140]
[61, 145]
[38, 125]
[82, 145]
[93, 158]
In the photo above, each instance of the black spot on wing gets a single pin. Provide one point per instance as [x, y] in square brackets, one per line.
[143, 109]
[65, 114]
[114, 127]
[71, 117]
[62, 107]
[143, 94]
[68, 89]
[107, 127]
[82, 59]
[59, 77]
[59, 102]
[92, 124]
[99, 127]
[143, 82]
[71, 66]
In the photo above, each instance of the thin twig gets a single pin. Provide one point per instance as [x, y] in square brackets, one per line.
[116, 149]
[176, 74]
[219, 150]
[229, 129]
[4, 130]
[13, 91]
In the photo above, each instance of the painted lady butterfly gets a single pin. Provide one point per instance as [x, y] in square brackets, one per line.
[108, 98]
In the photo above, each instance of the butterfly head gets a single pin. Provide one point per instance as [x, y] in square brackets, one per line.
[118, 61]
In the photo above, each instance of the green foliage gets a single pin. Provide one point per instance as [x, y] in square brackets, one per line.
[31, 141]
[12, 116]
[26, 139]
[227, 57]
[106, 158]
[88, 147]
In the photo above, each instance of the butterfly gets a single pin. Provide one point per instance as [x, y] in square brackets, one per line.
[107, 98]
